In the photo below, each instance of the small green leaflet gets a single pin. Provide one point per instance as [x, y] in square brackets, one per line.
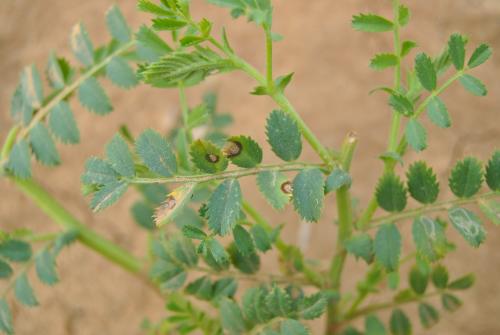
[428, 315]
[231, 317]
[243, 151]
[279, 302]
[249, 263]
[20, 107]
[387, 246]
[312, 307]
[337, 179]
[258, 11]
[401, 104]
[399, 323]
[466, 177]
[120, 73]
[404, 15]
[193, 232]
[439, 277]
[5, 270]
[293, 327]
[262, 239]
[201, 288]
[20, 160]
[254, 305]
[165, 23]
[45, 265]
[43, 145]
[480, 55]
[31, 84]
[425, 71]
[149, 7]
[207, 157]
[491, 209]
[98, 172]
[63, 125]
[308, 194]
[93, 97]
[117, 25]
[383, 61]
[391, 193]
[360, 245]
[108, 195]
[373, 326]
[150, 46]
[473, 85]
[462, 283]
[15, 250]
[243, 240]
[371, 23]
[416, 135]
[143, 215]
[450, 302]
[468, 225]
[438, 113]
[57, 71]
[418, 280]
[456, 46]
[422, 183]
[275, 187]
[493, 172]
[224, 207]
[283, 135]
[429, 238]
[5, 318]
[156, 153]
[120, 156]
[24, 292]
[82, 45]
[406, 47]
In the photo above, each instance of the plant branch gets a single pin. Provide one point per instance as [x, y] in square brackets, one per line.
[269, 59]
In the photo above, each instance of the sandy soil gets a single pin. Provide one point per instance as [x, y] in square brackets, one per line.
[330, 90]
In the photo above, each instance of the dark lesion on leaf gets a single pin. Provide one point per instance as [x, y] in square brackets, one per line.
[162, 211]
[233, 149]
[287, 187]
[212, 158]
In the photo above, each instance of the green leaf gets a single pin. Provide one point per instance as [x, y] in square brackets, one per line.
[198, 116]
[312, 307]
[293, 327]
[82, 45]
[31, 84]
[473, 85]
[188, 68]
[387, 246]
[479, 56]
[383, 61]
[174, 204]
[393, 280]
[20, 160]
[20, 107]
[243, 151]
[429, 238]
[225, 287]
[150, 46]
[308, 194]
[404, 15]
[282, 82]
[254, 305]
[263, 241]
[466, 178]
[360, 245]
[491, 209]
[283, 135]
[399, 323]
[275, 187]
[43, 145]
[493, 172]
[143, 215]
[120, 156]
[450, 302]
[249, 263]
[5, 318]
[438, 113]
[201, 288]
[165, 23]
[117, 25]
[5, 270]
[24, 292]
[468, 225]
[428, 315]
[224, 207]
[98, 172]
[58, 71]
[439, 277]
[279, 302]
[371, 23]
[207, 157]
[243, 240]
[422, 183]
[182, 250]
[156, 153]
[149, 7]
[406, 47]
[373, 326]
[425, 71]
[108, 195]
[418, 280]
[63, 125]
[93, 97]
[15, 250]
[462, 283]
[416, 135]
[337, 179]
[193, 232]
[401, 104]
[350, 330]
[45, 265]
[231, 317]
[259, 11]
[120, 73]
[391, 193]
[456, 46]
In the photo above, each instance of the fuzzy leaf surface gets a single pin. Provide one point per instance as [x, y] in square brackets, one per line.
[284, 136]
[438, 113]
[98, 172]
[24, 292]
[224, 207]
[493, 172]
[43, 145]
[456, 46]
[480, 56]
[428, 315]
[468, 224]
[473, 85]
[20, 160]
[272, 185]
[156, 153]
[82, 45]
[429, 238]
[422, 183]
[120, 73]
[400, 323]
[207, 157]
[308, 194]
[15, 250]
[243, 151]
[387, 246]
[63, 125]
[108, 195]
[93, 97]
[416, 135]
[45, 265]
[391, 193]
[117, 25]
[466, 178]
[120, 156]
[425, 72]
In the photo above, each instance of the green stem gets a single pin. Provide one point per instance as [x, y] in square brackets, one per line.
[9, 142]
[87, 236]
[269, 59]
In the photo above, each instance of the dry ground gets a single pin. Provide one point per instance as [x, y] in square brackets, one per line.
[330, 91]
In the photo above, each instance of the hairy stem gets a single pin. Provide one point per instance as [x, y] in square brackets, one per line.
[269, 59]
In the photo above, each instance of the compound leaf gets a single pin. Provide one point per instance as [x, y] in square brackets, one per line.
[391, 193]
[456, 46]
[416, 135]
[387, 246]
[120, 73]
[207, 157]
[473, 85]
[120, 156]
[224, 207]
[426, 72]
[45, 265]
[493, 172]
[480, 55]
[20, 160]
[156, 153]
[43, 145]
[308, 194]
[429, 238]
[24, 292]
[422, 183]
[283, 135]
[82, 45]
[466, 178]
[15, 250]
[468, 225]
[428, 315]
[400, 323]
[383, 61]
[117, 25]
[243, 151]
[63, 125]
[93, 97]
[371, 23]
[108, 195]
[275, 187]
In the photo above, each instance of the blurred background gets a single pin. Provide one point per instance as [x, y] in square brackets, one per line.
[330, 90]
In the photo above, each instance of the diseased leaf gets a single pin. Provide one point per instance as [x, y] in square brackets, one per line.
[58, 71]
[224, 207]
[480, 56]
[428, 315]
[20, 160]
[93, 97]
[45, 265]
[174, 204]
[63, 125]
[466, 178]
[82, 45]
[284, 136]
[243, 151]
[468, 225]
[416, 135]
[383, 61]
[275, 187]
[438, 113]
[120, 156]
[493, 172]
[207, 157]
[456, 46]
[399, 323]
[387, 246]
[429, 238]
[425, 71]
[120, 73]
[98, 172]
[117, 25]
[360, 245]
[308, 194]
[15, 250]
[24, 292]
[422, 183]
[391, 193]
[371, 23]
[156, 153]
[473, 85]
[108, 195]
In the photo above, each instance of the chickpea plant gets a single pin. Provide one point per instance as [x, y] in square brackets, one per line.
[205, 237]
